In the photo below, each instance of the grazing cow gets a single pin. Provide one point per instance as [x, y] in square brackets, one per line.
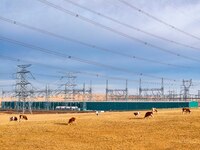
[186, 110]
[13, 118]
[71, 120]
[23, 117]
[148, 114]
[136, 113]
[154, 110]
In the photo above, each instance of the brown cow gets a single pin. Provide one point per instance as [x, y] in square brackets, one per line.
[148, 114]
[136, 113]
[71, 120]
[23, 117]
[13, 118]
[186, 110]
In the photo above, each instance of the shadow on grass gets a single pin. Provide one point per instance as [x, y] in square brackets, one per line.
[136, 118]
[64, 124]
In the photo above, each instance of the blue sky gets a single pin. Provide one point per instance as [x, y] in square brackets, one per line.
[180, 13]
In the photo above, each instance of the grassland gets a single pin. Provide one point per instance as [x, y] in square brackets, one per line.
[169, 129]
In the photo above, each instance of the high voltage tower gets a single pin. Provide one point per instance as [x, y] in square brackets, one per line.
[23, 89]
[185, 89]
[70, 86]
[71, 91]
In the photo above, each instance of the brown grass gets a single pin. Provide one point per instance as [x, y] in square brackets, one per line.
[169, 129]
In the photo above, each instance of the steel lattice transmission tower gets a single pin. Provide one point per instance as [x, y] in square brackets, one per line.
[70, 86]
[186, 87]
[23, 90]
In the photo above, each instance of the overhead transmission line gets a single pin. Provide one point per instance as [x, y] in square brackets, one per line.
[80, 72]
[65, 56]
[6, 85]
[133, 57]
[159, 20]
[132, 27]
[116, 31]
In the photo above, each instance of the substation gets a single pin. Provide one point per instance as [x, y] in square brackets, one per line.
[25, 97]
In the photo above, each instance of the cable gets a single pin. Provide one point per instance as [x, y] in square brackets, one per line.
[47, 75]
[65, 56]
[9, 58]
[159, 20]
[132, 27]
[5, 85]
[81, 72]
[87, 44]
[115, 31]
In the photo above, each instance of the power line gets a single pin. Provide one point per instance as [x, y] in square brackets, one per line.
[9, 58]
[87, 44]
[115, 31]
[65, 56]
[6, 85]
[96, 75]
[159, 20]
[132, 27]
[46, 75]
[80, 72]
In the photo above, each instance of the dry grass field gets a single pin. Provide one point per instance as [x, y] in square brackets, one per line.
[169, 129]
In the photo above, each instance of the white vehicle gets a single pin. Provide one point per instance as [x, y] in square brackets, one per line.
[67, 108]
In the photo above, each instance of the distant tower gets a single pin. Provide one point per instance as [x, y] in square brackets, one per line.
[70, 86]
[23, 89]
[117, 94]
[186, 87]
[47, 93]
[155, 93]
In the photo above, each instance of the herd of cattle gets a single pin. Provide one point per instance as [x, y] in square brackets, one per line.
[14, 118]
[150, 113]
[71, 120]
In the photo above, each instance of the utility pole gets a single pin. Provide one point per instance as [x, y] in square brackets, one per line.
[83, 92]
[126, 96]
[90, 91]
[162, 88]
[47, 92]
[140, 87]
[106, 90]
